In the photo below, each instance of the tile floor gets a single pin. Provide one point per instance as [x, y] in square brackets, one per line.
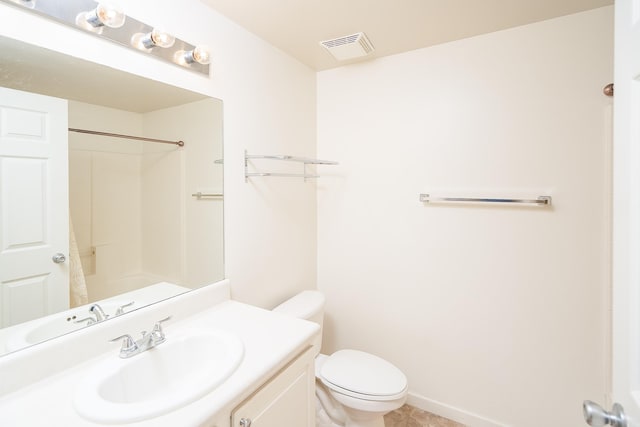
[408, 416]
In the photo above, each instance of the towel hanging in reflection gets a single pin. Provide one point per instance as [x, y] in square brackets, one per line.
[77, 286]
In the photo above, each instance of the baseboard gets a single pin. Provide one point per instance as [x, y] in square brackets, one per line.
[456, 414]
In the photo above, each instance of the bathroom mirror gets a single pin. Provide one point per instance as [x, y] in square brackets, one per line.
[145, 217]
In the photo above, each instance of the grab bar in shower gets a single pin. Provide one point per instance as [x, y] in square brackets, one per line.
[200, 195]
[539, 201]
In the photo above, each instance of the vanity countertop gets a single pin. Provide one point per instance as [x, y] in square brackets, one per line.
[270, 341]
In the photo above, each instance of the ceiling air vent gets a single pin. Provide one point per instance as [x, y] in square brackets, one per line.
[348, 47]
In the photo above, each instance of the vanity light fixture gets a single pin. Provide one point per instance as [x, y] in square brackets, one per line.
[107, 20]
[156, 37]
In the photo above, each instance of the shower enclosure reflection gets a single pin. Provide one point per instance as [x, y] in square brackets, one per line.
[134, 219]
[137, 232]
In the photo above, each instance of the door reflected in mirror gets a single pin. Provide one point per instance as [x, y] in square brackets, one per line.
[142, 220]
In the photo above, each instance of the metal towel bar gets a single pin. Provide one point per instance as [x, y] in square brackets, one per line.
[540, 201]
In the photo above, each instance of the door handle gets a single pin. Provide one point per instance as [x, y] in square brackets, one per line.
[245, 422]
[595, 416]
[59, 258]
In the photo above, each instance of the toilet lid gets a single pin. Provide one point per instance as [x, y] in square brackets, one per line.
[363, 373]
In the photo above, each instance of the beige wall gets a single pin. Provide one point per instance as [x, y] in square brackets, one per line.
[496, 314]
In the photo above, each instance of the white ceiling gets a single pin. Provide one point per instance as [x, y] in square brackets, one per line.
[392, 26]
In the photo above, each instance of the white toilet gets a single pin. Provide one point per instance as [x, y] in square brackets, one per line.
[353, 388]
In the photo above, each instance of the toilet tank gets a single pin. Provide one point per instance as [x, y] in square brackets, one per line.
[307, 305]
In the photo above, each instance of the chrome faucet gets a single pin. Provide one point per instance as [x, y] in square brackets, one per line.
[98, 312]
[148, 340]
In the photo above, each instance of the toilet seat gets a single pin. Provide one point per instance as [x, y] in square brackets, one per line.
[362, 375]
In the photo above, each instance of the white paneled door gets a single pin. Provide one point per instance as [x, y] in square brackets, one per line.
[34, 206]
[626, 226]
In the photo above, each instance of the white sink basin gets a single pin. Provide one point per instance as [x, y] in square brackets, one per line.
[185, 367]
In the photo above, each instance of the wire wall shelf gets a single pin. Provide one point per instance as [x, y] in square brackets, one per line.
[304, 160]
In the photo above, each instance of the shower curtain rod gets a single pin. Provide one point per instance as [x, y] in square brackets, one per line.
[117, 135]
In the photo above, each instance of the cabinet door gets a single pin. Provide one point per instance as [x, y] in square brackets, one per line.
[286, 400]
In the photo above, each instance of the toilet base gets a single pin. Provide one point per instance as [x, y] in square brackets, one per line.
[337, 410]
[376, 422]
[323, 420]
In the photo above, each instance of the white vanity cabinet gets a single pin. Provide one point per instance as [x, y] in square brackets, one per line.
[287, 399]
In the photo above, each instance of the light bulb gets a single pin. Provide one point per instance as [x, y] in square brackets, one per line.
[106, 14]
[154, 38]
[161, 38]
[199, 54]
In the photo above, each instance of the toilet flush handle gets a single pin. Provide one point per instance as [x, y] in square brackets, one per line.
[245, 422]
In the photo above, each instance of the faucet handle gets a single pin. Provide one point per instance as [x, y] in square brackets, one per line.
[120, 310]
[157, 332]
[89, 320]
[128, 344]
[165, 319]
